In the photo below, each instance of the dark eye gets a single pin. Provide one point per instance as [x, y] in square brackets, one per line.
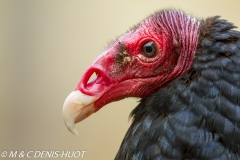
[149, 49]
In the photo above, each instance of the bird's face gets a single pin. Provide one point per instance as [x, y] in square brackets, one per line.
[138, 63]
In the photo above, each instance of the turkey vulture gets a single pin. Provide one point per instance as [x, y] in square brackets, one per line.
[187, 73]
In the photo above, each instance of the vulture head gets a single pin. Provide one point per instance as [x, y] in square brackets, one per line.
[147, 58]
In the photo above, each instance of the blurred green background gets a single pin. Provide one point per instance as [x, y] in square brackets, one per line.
[45, 46]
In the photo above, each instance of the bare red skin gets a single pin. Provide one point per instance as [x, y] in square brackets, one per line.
[134, 75]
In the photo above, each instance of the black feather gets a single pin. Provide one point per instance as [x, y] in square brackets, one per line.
[198, 115]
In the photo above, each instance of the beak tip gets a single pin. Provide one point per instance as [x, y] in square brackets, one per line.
[77, 107]
[71, 128]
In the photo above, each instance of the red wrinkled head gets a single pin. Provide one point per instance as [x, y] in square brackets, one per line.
[145, 59]
[124, 70]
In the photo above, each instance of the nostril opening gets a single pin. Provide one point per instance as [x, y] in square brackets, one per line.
[92, 78]
[93, 81]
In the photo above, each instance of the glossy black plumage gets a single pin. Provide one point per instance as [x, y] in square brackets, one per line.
[196, 116]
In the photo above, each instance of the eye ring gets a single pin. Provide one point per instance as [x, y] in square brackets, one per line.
[149, 49]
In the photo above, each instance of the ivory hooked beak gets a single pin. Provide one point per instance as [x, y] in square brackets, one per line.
[76, 108]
